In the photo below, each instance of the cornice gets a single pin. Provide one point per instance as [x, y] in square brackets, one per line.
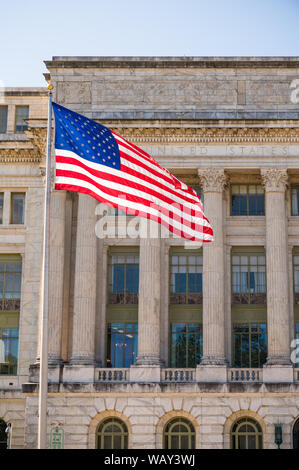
[66, 62]
[158, 133]
[210, 135]
[19, 155]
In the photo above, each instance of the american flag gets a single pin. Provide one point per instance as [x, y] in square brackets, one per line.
[92, 159]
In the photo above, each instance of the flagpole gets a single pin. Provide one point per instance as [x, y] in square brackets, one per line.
[43, 373]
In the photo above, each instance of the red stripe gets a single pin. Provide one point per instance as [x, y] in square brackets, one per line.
[180, 233]
[121, 180]
[136, 199]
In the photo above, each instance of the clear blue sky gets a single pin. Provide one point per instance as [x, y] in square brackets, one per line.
[35, 30]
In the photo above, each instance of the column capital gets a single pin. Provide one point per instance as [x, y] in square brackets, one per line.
[274, 179]
[212, 179]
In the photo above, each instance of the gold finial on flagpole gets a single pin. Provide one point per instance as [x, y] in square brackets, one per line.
[50, 87]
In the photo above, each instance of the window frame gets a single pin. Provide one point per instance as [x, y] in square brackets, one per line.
[249, 324]
[258, 433]
[170, 342]
[124, 433]
[247, 200]
[10, 319]
[122, 251]
[168, 435]
[5, 107]
[12, 193]
[294, 186]
[19, 106]
[178, 251]
[123, 349]
[248, 251]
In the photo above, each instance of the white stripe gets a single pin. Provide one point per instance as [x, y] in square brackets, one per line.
[164, 172]
[112, 171]
[131, 205]
[123, 188]
[152, 166]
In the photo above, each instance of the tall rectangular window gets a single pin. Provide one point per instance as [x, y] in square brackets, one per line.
[10, 294]
[124, 278]
[22, 113]
[247, 199]
[295, 201]
[249, 345]
[296, 277]
[249, 279]
[186, 345]
[17, 208]
[185, 278]
[122, 344]
[3, 119]
[1, 207]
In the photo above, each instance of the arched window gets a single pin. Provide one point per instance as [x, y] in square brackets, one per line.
[246, 434]
[296, 435]
[3, 434]
[112, 434]
[179, 433]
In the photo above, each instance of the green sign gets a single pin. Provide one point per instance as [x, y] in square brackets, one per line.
[57, 438]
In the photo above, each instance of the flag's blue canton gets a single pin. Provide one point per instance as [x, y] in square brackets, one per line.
[87, 138]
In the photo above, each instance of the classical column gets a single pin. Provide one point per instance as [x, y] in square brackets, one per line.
[149, 302]
[56, 273]
[83, 349]
[275, 181]
[213, 181]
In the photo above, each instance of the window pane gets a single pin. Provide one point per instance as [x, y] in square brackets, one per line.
[295, 201]
[22, 113]
[3, 119]
[121, 345]
[18, 203]
[1, 207]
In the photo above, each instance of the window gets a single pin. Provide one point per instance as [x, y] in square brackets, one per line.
[186, 278]
[246, 434]
[22, 113]
[122, 344]
[200, 193]
[3, 119]
[3, 434]
[179, 433]
[249, 345]
[247, 199]
[296, 435]
[186, 344]
[10, 293]
[1, 207]
[295, 201]
[248, 278]
[112, 433]
[17, 208]
[124, 278]
[296, 278]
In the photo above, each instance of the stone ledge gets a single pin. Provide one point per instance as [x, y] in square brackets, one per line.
[123, 388]
[169, 62]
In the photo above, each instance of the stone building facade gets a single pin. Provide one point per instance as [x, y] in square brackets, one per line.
[175, 345]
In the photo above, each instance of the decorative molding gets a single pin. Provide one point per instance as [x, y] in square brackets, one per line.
[212, 179]
[274, 179]
[19, 155]
[38, 137]
[206, 135]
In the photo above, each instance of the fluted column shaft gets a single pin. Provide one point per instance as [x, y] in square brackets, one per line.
[83, 348]
[278, 327]
[213, 181]
[56, 273]
[149, 302]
